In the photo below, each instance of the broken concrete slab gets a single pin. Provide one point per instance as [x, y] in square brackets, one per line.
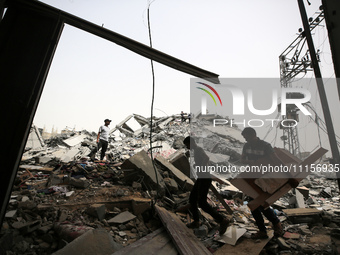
[181, 162]
[74, 140]
[232, 235]
[43, 159]
[34, 140]
[29, 227]
[303, 215]
[217, 158]
[184, 181]
[171, 184]
[245, 246]
[122, 218]
[139, 208]
[143, 166]
[289, 235]
[97, 210]
[283, 244]
[96, 241]
[10, 214]
[81, 183]
[304, 191]
[300, 202]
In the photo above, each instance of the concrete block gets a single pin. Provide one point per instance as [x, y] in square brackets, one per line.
[139, 208]
[183, 180]
[10, 214]
[96, 241]
[283, 245]
[142, 163]
[30, 226]
[122, 218]
[137, 185]
[181, 162]
[79, 183]
[97, 210]
[171, 184]
[300, 202]
[201, 231]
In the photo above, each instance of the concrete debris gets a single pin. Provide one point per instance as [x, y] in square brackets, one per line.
[184, 181]
[142, 167]
[232, 235]
[122, 217]
[64, 202]
[158, 242]
[97, 210]
[96, 241]
[34, 140]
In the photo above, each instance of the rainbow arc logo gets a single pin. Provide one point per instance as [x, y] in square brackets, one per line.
[209, 93]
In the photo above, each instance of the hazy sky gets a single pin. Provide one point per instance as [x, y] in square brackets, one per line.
[92, 79]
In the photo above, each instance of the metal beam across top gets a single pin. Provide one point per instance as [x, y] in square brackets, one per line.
[29, 34]
[119, 39]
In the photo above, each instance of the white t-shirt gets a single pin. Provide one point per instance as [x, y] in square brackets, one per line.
[104, 133]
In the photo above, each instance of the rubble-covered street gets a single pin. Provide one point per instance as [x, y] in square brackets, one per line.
[63, 202]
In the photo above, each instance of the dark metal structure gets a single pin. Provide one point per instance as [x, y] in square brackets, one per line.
[332, 17]
[29, 35]
[294, 60]
[321, 88]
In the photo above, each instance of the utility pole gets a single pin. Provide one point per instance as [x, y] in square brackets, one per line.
[321, 89]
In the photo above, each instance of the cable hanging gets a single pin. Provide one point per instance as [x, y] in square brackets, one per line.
[152, 99]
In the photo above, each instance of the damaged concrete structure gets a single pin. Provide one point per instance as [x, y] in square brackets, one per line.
[29, 32]
[82, 205]
[64, 203]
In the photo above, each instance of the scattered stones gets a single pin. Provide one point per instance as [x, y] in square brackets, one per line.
[80, 200]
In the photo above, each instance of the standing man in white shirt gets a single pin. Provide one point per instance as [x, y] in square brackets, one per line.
[102, 139]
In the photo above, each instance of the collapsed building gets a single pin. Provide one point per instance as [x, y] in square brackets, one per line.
[60, 202]
[63, 202]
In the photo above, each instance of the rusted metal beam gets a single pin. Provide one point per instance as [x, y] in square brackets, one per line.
[183, 237]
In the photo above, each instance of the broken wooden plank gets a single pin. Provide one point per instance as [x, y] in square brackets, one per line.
[37, 168]
[301, 212]
[221, 199]
[245, 246]
[158, 242]
[183, 237]
[265, 199]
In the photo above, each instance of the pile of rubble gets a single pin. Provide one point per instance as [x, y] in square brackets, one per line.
[64, 203]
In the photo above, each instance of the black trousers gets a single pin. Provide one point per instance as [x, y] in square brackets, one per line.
[198, 197]
[103, 145]
[270, 215]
